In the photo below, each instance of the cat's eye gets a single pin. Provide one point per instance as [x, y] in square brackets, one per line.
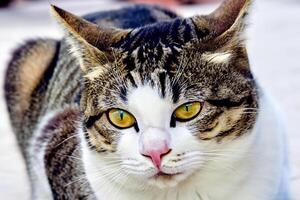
[187, 111]
[120, 118]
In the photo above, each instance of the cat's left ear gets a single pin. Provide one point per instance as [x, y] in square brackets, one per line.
[226, 22]
[90, 43]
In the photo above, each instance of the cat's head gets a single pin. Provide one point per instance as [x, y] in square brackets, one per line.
[160, 102]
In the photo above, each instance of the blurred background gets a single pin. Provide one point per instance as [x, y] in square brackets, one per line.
[273, 44]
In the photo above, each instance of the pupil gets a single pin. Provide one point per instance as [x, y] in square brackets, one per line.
[121, 115]
[187, 108]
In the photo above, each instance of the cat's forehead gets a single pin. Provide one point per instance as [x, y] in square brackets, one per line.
[157, 46]
[175, 32]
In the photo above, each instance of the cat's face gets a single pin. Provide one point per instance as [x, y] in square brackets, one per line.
[165, 98]
[156, 120]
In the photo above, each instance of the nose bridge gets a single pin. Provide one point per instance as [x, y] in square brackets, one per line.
[154, 118]
[155, 115]
[154, 138]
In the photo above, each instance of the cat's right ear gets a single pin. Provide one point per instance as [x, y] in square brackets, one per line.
[226, 22]
[90, 43]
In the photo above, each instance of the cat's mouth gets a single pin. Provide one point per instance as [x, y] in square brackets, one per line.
[164, 175]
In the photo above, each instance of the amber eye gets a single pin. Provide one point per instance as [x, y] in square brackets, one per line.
[120, 118]
[187, 111]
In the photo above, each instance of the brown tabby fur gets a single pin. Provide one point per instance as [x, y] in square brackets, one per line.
[165, 51]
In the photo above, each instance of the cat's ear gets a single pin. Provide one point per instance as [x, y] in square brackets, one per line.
[227, 21]
[91, 44]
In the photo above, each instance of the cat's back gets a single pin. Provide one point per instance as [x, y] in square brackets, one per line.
[131, 17]
[33, 88]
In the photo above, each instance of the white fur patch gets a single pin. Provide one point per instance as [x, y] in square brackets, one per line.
[41, 187]
[217, 58]
[96, 72]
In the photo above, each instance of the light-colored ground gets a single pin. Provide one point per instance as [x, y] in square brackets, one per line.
[274, 48]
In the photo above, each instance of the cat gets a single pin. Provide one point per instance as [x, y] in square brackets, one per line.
[140, 103]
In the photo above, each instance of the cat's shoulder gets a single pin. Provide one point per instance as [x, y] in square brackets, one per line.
[26, 69]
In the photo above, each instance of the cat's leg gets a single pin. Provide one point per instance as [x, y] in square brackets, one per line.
[40, 188]
[56, 158]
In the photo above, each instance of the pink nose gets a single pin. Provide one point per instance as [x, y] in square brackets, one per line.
[156, 154]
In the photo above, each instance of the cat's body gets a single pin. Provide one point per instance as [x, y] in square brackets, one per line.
[67, 159]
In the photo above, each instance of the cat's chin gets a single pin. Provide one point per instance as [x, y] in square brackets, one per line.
[164, 180]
